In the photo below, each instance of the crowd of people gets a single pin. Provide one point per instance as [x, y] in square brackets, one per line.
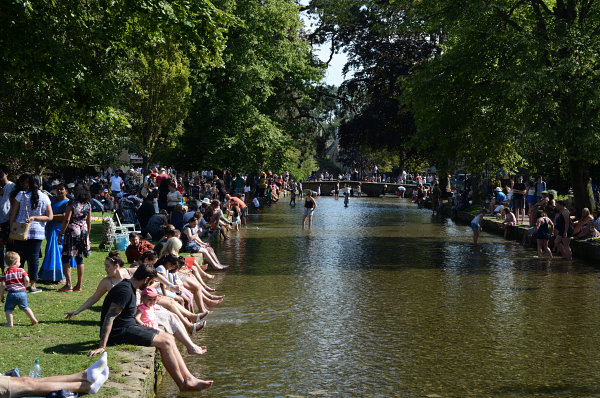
[163, 295]
[532, 204]
[518, 203]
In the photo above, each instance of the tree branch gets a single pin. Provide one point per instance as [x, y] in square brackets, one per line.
[541, 23]
[508, 19]
[332, 52]
[585, 9]
[545, 7]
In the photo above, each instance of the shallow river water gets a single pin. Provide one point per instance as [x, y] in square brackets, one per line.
[380, 299]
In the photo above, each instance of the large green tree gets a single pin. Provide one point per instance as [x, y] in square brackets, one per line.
[60, 67]
[156, 98]
[376, 125]
[514, 78]
[249, 112]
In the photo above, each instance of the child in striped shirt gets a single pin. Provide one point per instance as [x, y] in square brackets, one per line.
[14, 280]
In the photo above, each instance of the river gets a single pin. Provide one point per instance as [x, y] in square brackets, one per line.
[380, 299]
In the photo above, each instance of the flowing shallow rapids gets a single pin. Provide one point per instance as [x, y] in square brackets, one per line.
[380, 299]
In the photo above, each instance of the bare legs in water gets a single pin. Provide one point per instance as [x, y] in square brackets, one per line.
[173, 362]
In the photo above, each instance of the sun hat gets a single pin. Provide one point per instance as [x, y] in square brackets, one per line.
[498, 189]
[150, 292]
[206, 201]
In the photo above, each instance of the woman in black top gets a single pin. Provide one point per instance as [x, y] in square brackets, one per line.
[309, 208]
[543, 230]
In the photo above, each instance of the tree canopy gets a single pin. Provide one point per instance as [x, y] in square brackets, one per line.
[501, 84]
[61, 64]
[249, 112]
[512, 79]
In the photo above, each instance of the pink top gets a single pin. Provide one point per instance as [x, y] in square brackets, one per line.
[148, 315]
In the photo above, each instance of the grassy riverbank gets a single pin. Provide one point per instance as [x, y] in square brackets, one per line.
[61, 346]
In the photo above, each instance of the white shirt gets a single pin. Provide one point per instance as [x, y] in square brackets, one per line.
[173, 198]
[5, 201]
[115, 183]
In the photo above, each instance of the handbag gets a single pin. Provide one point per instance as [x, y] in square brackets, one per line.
[20, 230]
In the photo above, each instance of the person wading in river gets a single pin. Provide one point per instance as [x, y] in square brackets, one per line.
[309, 208]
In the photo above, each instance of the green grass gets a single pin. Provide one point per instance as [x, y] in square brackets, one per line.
[474, 209]
[60, 345]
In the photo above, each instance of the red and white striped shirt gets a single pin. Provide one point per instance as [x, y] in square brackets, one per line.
[13, 278]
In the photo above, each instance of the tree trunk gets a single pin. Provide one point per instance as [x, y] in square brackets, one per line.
[444, 183]
[145, 163]
[582, 187]
[478, 189]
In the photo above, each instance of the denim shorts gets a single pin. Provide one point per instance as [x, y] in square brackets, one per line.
[309, 211]
[16, 298]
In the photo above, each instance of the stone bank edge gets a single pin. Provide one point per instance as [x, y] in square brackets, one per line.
[138, 375]
[580, 248]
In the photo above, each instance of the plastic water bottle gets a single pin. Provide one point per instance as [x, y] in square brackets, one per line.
[36, 370]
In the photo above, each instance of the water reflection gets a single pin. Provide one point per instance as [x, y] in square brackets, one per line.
[381, 299]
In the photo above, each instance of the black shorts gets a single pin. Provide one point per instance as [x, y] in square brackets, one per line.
[134, 335]
[66, 259]
[519, 202]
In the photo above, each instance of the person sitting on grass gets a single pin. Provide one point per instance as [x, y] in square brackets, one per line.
[149, 314]
[118, 326]
[173, 289]
[585, 218]
[146, 313]
[136, 247]
[193, 244]
[174, 318]
[497, 201]
[88, 382]
[15, 281]
[192, 281]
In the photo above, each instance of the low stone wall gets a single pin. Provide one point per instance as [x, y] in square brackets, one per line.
[367, 188]
[137, 375]
[580, 248]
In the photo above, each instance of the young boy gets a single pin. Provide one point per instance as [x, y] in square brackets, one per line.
[15, 280]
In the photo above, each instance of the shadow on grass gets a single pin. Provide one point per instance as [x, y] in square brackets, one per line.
[82, 322]
[78, 348]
